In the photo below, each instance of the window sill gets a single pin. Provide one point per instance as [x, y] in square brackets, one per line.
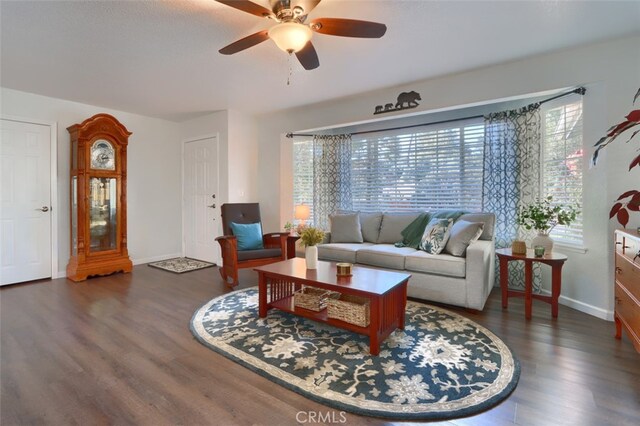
[570, 248]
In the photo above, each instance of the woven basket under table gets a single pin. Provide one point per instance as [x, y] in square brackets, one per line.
[349, 308]
[314, 299]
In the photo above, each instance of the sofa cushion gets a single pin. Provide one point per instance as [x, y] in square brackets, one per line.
[462, 234]
[392, 226]
[384, 256]
[489, 220]
[369, 223]
[345, 228]
[340, 252]
[441, 264]
[436, 235]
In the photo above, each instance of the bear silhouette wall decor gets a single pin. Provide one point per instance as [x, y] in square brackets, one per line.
[406, 100]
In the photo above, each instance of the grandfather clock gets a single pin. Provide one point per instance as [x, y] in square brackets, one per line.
[98, 198]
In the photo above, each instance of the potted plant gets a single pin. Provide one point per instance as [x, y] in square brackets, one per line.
[288, 227]
[310, 237]
[543, 216]
[628, 200]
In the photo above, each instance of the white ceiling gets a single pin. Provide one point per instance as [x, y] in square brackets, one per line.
[160, 59]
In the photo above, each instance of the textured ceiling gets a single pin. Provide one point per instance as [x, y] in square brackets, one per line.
[160, 58]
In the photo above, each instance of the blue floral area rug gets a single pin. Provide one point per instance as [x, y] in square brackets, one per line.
[440, 366]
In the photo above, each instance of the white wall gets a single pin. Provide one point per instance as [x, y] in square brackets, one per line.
[243, 158]
[610, 72]
[153, 175]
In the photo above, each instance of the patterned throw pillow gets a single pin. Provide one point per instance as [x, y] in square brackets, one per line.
[435, 235]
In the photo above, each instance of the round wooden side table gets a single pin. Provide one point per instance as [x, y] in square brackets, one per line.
[553, 259]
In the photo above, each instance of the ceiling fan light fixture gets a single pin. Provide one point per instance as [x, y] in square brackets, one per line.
[290, 36]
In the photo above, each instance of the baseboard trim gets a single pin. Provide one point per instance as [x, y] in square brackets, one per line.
[583, 307]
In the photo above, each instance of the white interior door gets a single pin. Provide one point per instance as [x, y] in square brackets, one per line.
[25, 212]
[200, 210]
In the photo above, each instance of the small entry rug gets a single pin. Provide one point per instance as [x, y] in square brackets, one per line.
[441, 366]
[180, 265]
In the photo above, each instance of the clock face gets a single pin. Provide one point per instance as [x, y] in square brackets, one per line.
[102, 155]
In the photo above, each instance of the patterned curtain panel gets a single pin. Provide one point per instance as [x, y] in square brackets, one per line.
[512, 149]
[331, 177]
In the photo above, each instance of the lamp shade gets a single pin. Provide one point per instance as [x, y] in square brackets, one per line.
[290, 36]
[302, 212]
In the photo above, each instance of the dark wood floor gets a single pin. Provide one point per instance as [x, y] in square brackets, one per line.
[117, 350]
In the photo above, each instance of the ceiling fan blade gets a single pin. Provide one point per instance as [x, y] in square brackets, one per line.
[248, 6]
[308, 57]
[348, 27]
[245, 43]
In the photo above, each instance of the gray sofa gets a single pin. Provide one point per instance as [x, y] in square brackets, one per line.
[461, 281]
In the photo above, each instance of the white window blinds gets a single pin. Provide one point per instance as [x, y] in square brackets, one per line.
[428, 168]
[562, 162]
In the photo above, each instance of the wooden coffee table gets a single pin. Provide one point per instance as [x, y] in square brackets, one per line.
[386, 290]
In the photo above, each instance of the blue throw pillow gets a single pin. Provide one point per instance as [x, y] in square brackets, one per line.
[249, 235]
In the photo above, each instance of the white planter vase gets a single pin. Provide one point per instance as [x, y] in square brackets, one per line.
[544, 240]
[311, 257]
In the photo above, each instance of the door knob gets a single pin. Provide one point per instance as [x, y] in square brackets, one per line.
[44, 209]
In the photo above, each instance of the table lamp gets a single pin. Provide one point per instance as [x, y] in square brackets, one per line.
[302, 213]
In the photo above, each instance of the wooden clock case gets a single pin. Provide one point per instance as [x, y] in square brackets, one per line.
[98, 199]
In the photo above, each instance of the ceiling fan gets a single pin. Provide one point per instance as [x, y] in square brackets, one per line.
[292, 34]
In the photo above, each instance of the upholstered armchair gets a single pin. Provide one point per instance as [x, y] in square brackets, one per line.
[274, 243]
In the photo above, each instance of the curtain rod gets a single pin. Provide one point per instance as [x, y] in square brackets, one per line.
[579, 90]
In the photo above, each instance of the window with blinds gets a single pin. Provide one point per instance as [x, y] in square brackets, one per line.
[303, 174]
[425, 168]
[428, 168]
[562, 162]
